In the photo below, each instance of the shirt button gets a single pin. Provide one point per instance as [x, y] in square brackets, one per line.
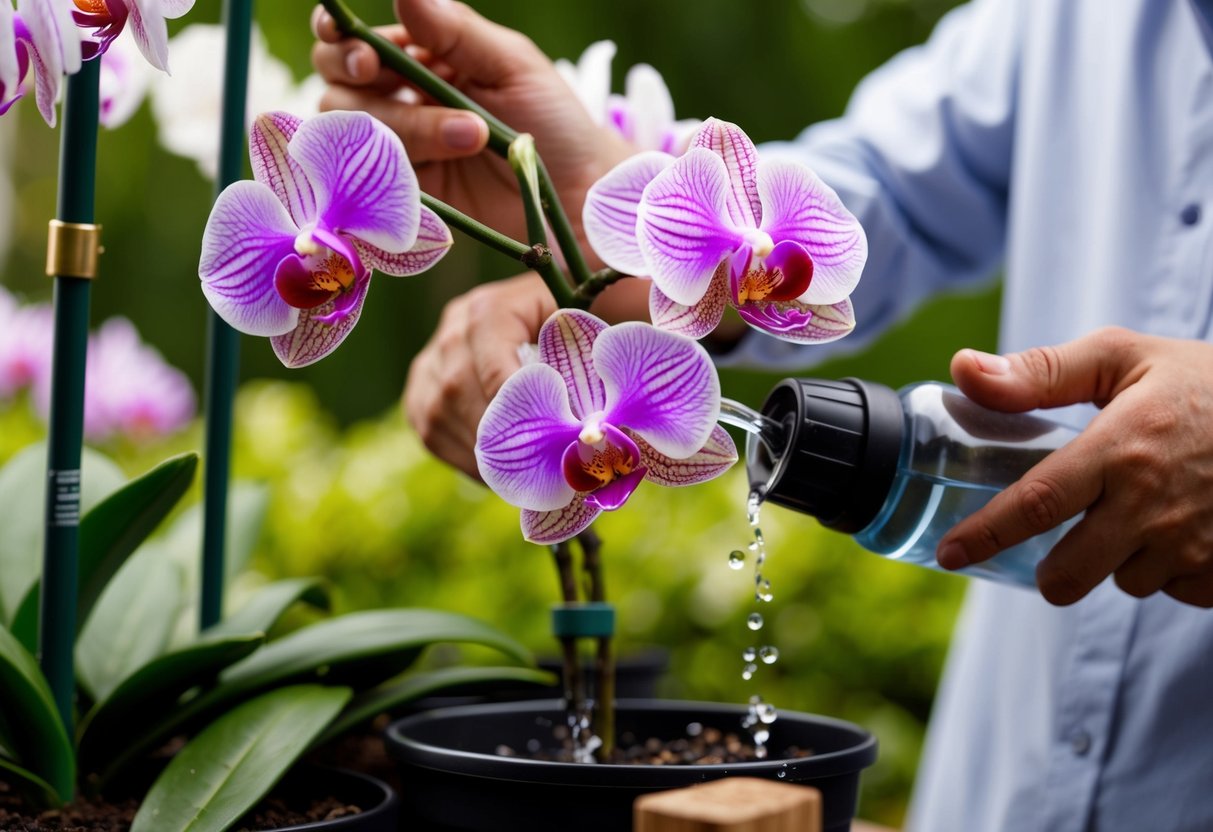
[1190, 215]
[1080, 743]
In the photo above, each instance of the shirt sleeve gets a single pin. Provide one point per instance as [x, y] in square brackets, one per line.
[922, 156]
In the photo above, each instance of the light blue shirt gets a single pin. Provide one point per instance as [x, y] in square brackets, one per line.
[1069, 142]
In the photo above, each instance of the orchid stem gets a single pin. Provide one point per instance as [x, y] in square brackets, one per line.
[598, 281]
[501, 135]
[604, 664]
[574, 689]
[537, 257]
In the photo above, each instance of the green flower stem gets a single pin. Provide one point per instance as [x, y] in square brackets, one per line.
[604, 663]
[500, 134]
[533, 257]
[61, 549]
[574, 688]
[223, 342]
[598, 281]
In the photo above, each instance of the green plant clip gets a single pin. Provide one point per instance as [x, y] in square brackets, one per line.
[596, 620]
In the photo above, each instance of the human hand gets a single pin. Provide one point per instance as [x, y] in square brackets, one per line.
[1142, 470]
[500, 69]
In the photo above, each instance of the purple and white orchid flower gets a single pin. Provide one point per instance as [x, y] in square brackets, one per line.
[573, 434]
[644, 114]
[105, 20]
[290, 254]
[720, 227]
[41, 35]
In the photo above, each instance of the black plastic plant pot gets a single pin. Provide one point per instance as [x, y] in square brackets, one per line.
[379, 803]
[454, 779]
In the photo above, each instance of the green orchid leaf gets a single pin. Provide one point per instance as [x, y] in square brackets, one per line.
[132, 623]
[22, 500]
[391, 695]
[262, 611]
[225, 770]
[39, 739]
[35, 790]
[110, 531]
[360, 649]
[152, 692]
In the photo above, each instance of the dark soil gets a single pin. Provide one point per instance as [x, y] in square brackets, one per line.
[705, 746]
[280, 809]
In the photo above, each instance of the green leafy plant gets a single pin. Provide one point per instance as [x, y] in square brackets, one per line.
[251, 705]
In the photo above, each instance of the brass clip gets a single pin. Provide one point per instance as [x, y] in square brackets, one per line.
[72, 249]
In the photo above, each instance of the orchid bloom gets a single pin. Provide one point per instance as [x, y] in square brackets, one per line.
[290, 254]
[105, 20]
[718, 226]
[26, 336]
[644, 114]
[40, 34]
[187, 105]
[125, 78]
[574, 434]
[130, 390]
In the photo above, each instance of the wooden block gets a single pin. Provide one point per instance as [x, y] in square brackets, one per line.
[734, 804]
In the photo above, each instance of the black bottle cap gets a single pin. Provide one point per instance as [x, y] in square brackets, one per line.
[843, 439]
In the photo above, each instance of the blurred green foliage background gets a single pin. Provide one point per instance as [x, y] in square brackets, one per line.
[356, 498]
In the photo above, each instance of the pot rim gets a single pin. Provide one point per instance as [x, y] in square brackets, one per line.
[386, 805]
[404, 748]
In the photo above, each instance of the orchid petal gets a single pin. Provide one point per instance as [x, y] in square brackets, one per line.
[274, 167]
[246, 237]
[566, 342]
[124, 81]
[361, 177]
[693, 321]
[660, 385]
[173, 9]
[53, 48]
[801, 323]
[616, 492]
[10, 65]
[585, 470]
[591, 78]
[522, 438]
[434, 240]
[150, 31]
[798, 206]
[716, 456]
[559, 525]
[682, 228]
[733, 146]
[651, 105]
[611, 205]
[315, 337]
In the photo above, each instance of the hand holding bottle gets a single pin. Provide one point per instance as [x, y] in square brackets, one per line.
[1142, 470]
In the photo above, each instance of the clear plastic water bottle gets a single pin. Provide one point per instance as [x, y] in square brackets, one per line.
[898, 469]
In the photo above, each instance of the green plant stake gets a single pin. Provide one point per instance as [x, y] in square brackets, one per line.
[72, 261]
[223, 353]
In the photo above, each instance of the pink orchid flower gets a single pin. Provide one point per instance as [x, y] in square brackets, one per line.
[290, 254]
[41, 35]
[719, 227]
[105, 20]
[573, 434]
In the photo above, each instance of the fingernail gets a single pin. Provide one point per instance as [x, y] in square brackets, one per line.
[951, 555]
[352, 63]
[320, 20]
[991, 365]
[461, 132]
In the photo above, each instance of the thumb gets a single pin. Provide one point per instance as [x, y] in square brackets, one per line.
[1093, 368]
[473, 46]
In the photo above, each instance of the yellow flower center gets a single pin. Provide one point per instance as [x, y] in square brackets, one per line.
[758, 284]
[609, 464]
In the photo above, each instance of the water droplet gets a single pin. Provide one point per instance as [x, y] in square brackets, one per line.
[763, 593]
[754, 622]
[736, 559]
[767, 714]
[758, 536]
[753, 547]
[755, 699]
[760, 738]
[768, 654]
[694, 729]
[749, 654]
[748, 672]
[783, 772]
